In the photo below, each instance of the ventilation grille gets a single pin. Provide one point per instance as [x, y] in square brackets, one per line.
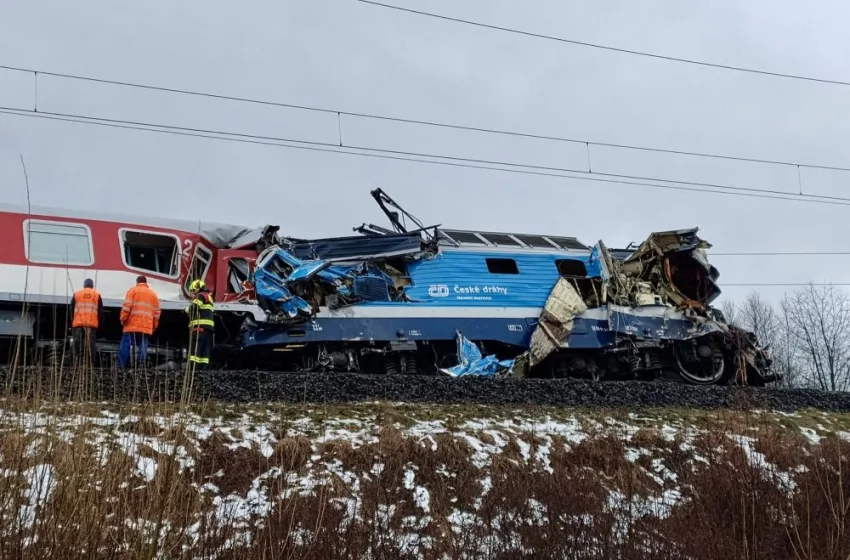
[568, 242]
[510, 239]
[500, 239]
[463, 236]
[534, 240]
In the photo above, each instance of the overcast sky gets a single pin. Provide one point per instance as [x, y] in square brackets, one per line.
[349, 56]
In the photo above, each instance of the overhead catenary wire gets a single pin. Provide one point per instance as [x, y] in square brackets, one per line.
[458, 162]
[340, 143]
[391, 157]
[622, 50]
[435, 159]
[425, 122]
[714, 187]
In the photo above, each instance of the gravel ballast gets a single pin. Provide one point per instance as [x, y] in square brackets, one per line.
[267, 386]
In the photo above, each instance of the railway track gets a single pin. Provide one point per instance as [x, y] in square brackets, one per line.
[292, 387]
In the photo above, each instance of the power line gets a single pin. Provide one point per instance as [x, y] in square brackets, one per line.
[178, 132]
[422, 122]
[417, 157]
[610, 48]
[452, 126]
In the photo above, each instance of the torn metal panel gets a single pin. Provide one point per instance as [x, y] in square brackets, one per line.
[238, 273]
[293, 270]
[660, 322]
[750, 356]
[556, 321]
[278, 302]
[290, 288]
[358, 248]
[601, 257]
[471, 361]
[271, 284]
[307, 271]
[675, 266]
[259, 238]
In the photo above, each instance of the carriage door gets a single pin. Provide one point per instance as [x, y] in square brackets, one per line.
[201, 261]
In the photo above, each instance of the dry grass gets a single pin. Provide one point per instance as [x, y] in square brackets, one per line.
[71, 489]
[517, 505]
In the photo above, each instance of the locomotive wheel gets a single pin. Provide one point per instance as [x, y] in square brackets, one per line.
[409, 364]
[595, 372]
[708, 369]
[391, 365]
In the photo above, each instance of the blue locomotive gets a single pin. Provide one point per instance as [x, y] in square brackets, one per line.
[417, 301]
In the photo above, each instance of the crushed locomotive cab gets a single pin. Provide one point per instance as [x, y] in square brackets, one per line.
[292, 289]
[658, 298]
[613, 314]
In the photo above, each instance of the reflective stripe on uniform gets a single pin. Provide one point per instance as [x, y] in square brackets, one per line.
[140, 311]
[198, 360]
[201, 313]
[86, 310]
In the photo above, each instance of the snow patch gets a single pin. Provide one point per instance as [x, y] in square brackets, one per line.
[811, 435]
[41, 482]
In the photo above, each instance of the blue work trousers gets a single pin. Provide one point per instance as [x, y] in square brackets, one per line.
[139, 341]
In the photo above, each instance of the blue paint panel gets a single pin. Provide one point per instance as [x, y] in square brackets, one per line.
[656, 327]
[588, 334]
[460, 278]
[455, 278]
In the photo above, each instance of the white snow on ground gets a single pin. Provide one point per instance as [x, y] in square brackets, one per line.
[760, 461]
[40, 484]
[146, 467]
[811, 435]
[535, 438]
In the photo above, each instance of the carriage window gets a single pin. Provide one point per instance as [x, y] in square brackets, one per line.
[150, 252]
[502, 266]
[200, 265]
[238, 271]
[571, 268]
[58, 243]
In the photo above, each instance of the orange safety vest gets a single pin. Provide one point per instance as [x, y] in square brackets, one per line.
[85, 308]
[140, 312]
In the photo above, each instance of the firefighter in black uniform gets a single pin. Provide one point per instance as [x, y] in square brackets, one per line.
[201, 325]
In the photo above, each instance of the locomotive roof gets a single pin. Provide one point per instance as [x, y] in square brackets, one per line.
[513, 240]
[219, 234]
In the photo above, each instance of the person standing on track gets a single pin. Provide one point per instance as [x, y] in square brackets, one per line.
[201, 325]
[87, 314]
[140, 318]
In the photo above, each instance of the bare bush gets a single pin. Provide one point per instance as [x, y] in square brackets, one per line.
[757, 315]
[772, 328]
[818, 327]
[716, 495]
[730, 311]
[808, 334]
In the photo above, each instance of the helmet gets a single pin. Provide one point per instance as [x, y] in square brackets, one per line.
[197, 285]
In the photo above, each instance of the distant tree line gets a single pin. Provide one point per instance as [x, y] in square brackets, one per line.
[808, 333]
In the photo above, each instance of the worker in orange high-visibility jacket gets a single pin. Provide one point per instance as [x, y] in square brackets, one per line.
[140, 318]
[86, 316]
